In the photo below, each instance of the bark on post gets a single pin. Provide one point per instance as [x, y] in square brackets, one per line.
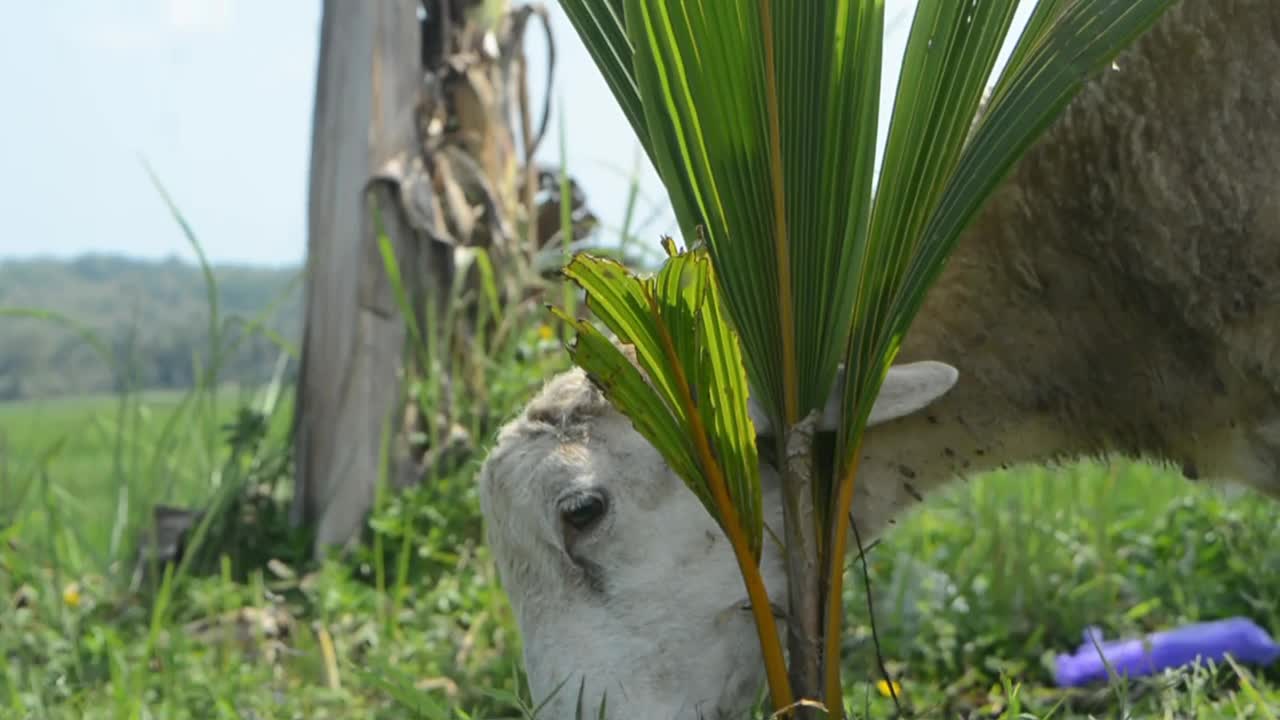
[412, 125]
[367, 85]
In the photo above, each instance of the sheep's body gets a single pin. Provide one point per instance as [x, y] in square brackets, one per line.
[1120, 293]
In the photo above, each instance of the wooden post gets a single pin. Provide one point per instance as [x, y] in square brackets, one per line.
[367, 89]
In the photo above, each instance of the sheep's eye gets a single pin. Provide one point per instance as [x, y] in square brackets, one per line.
[582, 511]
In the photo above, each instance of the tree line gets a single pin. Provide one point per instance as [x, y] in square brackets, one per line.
[149, 321]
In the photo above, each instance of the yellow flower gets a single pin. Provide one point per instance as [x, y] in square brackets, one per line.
[883, 686]
[71, 595]
[545, 332]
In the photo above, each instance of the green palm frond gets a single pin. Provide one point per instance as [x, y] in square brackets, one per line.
[761, 118]
[690, 401]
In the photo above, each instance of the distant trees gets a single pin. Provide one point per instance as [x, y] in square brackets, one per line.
[152, 316]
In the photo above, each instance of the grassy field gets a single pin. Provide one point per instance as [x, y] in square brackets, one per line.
[975, 593]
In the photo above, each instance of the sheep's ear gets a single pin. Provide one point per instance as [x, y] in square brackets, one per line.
[907, 388]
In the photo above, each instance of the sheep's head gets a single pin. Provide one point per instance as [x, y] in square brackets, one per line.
[623, 586]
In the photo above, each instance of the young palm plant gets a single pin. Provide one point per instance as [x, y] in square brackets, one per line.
[761, 118]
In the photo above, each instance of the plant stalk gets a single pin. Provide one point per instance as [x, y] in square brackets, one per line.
[775, 663]
[836, 544]
[804, 596]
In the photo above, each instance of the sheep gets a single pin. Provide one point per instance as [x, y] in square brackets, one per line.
[1118, 295]
[623, 587]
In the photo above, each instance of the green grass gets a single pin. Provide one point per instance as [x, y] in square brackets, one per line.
[89, 455]
[996, 576]
[975, 592]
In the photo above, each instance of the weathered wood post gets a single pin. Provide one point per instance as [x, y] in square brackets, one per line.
[415, 104]
[367, 86]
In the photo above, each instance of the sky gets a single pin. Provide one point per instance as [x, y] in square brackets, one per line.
[216, 96]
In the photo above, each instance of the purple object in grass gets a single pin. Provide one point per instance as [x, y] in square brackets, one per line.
[1240, 637]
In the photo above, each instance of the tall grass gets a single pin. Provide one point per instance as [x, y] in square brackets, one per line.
[86, 482]
[975, 592]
